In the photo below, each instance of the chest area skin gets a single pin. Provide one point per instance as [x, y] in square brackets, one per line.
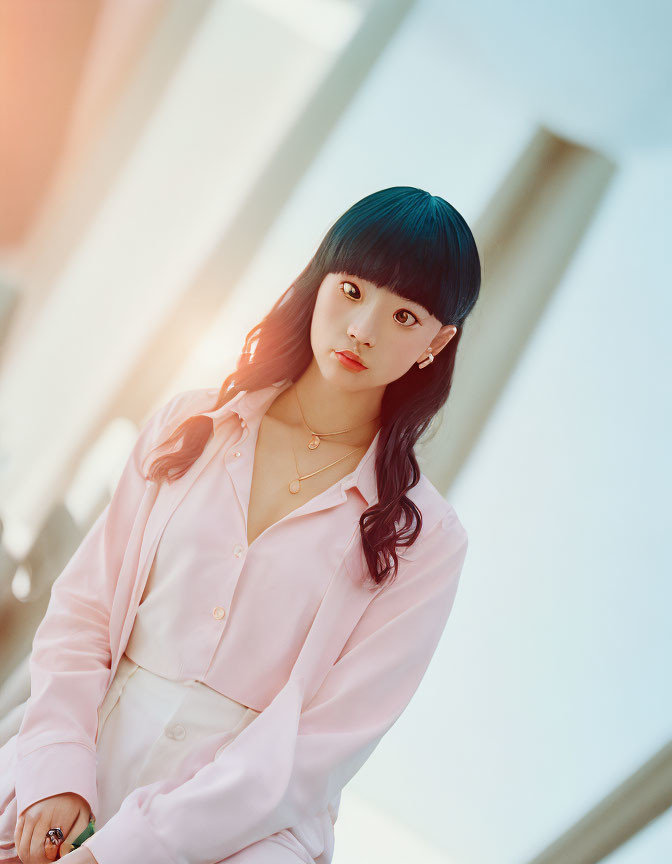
[274, 468]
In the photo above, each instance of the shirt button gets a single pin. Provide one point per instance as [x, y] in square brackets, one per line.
[218, 612]
[237, 453]
[243, 423]
[177, 732]
[237, 550]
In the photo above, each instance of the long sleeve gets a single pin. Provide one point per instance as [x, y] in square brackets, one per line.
[289, 763]
[71, 656]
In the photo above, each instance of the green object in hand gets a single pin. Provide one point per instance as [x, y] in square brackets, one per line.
[87, 832]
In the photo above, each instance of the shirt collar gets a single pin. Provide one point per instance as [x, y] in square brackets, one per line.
[250, 405]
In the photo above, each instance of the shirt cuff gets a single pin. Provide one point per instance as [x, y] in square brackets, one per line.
[53, 769]
[127, 838]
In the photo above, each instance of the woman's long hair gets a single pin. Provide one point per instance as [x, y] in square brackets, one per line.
[416, 245]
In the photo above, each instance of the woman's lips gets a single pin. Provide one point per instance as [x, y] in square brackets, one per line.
[346, 361]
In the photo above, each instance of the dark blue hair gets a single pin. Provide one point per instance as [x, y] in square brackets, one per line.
[414, 244]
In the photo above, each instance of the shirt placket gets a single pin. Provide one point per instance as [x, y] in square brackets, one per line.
[178, 729]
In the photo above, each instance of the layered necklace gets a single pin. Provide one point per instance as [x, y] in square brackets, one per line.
[314, 443]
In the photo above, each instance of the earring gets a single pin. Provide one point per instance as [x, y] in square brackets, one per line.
[426, 361]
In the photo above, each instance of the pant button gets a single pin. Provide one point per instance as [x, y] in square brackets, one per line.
[177, 732]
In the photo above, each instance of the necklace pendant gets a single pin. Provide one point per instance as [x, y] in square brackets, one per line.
[314, 442]
[295, 486]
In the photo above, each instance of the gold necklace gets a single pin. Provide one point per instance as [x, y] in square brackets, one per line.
[317, 436]
[295, 485]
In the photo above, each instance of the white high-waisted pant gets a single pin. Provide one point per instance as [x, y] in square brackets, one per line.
[147, 723]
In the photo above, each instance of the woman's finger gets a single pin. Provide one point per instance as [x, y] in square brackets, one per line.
[46, 821]
[76, 829]
[18, 830]
[23, 849]
[52, 842]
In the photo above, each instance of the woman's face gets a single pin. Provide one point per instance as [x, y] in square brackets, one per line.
[387, 332]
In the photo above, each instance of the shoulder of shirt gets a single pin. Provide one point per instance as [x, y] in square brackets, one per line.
[185, 403]
[439, 519]
[164, 420]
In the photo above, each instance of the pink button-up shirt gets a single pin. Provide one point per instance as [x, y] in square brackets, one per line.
[339, 686]
[212, 605]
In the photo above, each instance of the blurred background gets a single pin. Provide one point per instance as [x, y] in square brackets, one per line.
[168, 167]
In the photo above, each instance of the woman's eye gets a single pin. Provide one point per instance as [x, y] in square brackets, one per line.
[352, 285]
[406, 312]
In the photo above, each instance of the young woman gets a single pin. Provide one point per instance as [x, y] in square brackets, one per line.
[260, 599]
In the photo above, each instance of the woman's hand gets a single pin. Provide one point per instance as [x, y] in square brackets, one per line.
[68, 811]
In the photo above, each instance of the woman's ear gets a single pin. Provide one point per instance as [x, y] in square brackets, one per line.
[442, 338]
